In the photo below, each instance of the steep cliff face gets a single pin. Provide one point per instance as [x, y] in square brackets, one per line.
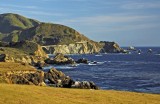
[110, 47]
[77, 48]
[84, 48]
[30, 48]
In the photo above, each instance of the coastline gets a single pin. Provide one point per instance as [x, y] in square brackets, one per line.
[47, 95]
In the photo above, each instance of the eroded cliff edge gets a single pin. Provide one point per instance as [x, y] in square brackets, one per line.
[84, 48]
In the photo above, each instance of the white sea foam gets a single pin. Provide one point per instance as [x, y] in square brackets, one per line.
[99, 55]
[64, 67]
[157, 54]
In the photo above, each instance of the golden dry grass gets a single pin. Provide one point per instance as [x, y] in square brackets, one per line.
[9, 66]
[23, 94]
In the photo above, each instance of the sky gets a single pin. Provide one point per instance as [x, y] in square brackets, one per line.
[127, 22]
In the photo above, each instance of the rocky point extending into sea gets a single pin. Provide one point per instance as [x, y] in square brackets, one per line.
[28, 41]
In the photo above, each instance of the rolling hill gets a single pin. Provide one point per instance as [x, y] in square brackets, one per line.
[14, 27]
[10, 22]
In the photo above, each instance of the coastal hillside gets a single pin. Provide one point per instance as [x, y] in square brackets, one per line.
[54, 37]
[14, 27]
[10, 22]
[52, 34]
[48, 95]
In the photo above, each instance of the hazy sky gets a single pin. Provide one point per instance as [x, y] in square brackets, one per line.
[127, 22]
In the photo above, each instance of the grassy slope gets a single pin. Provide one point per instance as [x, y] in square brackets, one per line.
[8, 66]
[52, 34]
[22, 94]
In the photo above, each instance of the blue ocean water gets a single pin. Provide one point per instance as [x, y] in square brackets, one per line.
[128, 72]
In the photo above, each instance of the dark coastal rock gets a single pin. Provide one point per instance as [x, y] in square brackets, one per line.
[85, 85]
[110, 47]
[60, 59]
[39, 78]
[58, 78]
[40, 64]
[2, 57]
[82, 60]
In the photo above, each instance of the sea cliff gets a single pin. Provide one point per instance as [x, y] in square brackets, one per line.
[77, 48]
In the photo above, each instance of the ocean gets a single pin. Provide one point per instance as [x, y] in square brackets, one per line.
[127, 72]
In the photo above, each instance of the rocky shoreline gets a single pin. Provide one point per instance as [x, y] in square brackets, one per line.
[38, 77]
[31, 53]
[53, 78]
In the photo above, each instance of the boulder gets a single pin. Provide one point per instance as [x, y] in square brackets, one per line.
[60, 59]
[85, 85]
[58, 78]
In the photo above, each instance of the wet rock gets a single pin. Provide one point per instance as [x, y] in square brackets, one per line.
[82, 60]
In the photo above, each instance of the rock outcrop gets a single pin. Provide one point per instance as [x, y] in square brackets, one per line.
[84, 48]
[30, 48]
[59, 79]
[25, 77]
[82, 60]
[22, 52]
[110, 47]
[59, 59]
[39, 78]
